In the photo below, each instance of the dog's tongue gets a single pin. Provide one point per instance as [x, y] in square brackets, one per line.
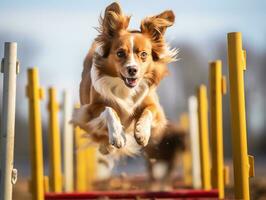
[131, 81]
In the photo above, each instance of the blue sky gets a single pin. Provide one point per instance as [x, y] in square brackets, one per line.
[55, 35]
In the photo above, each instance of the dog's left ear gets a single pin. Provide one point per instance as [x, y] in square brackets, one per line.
[155, 26]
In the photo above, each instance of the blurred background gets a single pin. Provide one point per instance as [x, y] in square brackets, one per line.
[56, 35]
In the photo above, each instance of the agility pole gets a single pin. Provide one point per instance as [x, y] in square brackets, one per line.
[204, 137]
[68, 143]
[55, 179]
[194, 141]
[217, 89]
[243, 163]
[35, 94]
[10, 68]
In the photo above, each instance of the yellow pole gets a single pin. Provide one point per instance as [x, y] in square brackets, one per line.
[186, 155]
[55, 179]
[81, 166]
[216, 128]
[35, 93]
[91, 166]
[243, 165]
[204, 138]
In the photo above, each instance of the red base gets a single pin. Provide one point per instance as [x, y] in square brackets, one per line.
[184, 193]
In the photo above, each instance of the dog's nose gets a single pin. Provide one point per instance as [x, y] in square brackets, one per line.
[132, 70]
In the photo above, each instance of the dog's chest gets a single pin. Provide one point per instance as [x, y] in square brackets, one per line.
[115, 91]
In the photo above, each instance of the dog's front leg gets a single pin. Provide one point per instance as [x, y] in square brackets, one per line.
[96, 120]
[143, 127]
[115, 128]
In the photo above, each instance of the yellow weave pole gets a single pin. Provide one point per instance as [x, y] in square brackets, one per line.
[204, 138]
[91, 166]
[186, 155]
[55, 179]
[216, 128]
[243, 164]
[34, 94]
[81, 162]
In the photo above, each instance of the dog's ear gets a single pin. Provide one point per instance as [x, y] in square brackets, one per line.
[114, 20]
[111, 24]
[155, 28]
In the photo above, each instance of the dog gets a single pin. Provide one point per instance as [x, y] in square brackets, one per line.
[120, 108]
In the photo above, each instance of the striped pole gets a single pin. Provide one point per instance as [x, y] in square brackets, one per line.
[204, 137]
[243, 164]
[10, 68]
[35, 93]
[55, 178]
[217, 89]
[194, 141]
[68, 143]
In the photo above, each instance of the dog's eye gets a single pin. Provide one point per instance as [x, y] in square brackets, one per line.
[121, 54]
[143, 54]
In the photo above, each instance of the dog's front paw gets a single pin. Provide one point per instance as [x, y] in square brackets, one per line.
[117, 139]
[143, 130]
[115, 128]
[116, 134]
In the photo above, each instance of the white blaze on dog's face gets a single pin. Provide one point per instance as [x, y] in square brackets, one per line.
[132, 55]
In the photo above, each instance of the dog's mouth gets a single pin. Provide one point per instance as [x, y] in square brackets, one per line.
[130, 82]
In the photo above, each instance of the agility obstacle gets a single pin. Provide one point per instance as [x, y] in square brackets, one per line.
[208, 175]
[243, 163]
[217, 84]
[194, 141]
[35, 94]
[68, 144]
[10, 68]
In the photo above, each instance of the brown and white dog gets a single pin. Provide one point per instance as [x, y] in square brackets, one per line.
[119, 104]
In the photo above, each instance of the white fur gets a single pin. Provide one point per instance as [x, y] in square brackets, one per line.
[79, 116]
[115, 129]
[114, 89]
[131, 60]
[106, 118]
[99, 50]
[143, 128]
[170, 52]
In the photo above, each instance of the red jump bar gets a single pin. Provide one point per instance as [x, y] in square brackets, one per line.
[184, 193]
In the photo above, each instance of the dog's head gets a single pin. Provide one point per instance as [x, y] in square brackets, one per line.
[133, 55]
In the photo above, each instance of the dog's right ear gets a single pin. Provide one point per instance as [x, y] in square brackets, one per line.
[114, 20]
[111, 24]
